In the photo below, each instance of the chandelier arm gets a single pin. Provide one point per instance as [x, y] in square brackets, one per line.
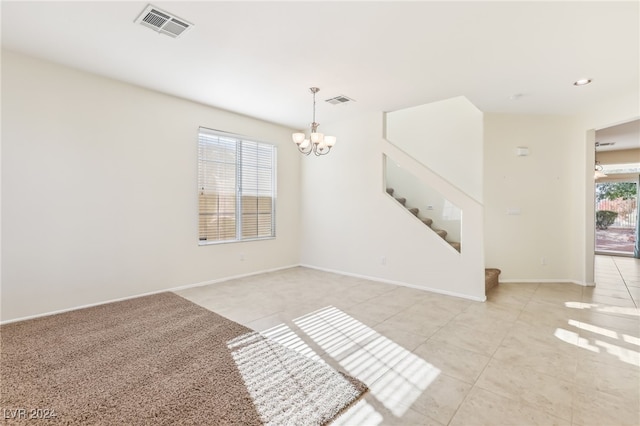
[319, 152]
[306, 151]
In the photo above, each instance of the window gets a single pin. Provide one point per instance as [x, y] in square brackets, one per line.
[236, 188]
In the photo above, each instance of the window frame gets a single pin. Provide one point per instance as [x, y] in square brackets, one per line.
[242, 143]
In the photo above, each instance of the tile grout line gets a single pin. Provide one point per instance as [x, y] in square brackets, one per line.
[491, 357]
[625, 283]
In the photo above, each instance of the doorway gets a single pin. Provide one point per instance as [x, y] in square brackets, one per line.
[617, 171]
[616, 217]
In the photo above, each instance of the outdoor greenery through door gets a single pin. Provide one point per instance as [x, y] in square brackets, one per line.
[616, 217]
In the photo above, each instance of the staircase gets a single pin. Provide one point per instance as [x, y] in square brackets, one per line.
[427, 221]
[490, 278]
[490, 274]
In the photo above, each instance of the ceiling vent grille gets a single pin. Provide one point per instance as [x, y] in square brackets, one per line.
[338, 100]
[599, 144]
[162, 21]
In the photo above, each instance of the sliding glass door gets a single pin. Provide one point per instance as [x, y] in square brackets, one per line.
[617, 217]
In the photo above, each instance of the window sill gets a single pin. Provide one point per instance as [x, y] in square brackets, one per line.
[214, 243]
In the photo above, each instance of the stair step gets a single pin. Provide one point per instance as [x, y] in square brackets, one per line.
[427, 221]
[490, 278]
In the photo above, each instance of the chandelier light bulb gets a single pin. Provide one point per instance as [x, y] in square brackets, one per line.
[317, 138]
[298, 138]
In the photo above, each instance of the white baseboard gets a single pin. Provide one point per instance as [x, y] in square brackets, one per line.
[398, 283]
[546, 280]
[233, 277]
[183, 287]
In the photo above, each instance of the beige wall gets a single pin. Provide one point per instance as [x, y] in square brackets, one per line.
[99, 196]
[445, 136]
[533, 245]
[554, 184]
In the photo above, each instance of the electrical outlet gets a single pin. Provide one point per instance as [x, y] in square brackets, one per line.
[543, 260]
[383, 260]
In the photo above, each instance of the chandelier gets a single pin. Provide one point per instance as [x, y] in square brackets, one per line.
[317, 143]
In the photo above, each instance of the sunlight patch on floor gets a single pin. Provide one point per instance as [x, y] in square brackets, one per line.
[579, 305]
[334, 331]
[574, 339]
[287, 387]
[404, 384]
[288, 338]
[631, 339]
[594, 329]
[360, 414]
[634, 312]
[396, 376]
[625, 355]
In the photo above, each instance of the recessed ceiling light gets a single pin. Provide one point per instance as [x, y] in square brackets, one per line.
[582, 82]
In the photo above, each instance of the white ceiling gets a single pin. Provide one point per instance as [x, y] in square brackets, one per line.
[260, 58]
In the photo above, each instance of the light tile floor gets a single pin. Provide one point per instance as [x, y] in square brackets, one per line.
[548, 354]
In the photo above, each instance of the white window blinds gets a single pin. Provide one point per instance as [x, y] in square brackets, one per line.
[236, 188]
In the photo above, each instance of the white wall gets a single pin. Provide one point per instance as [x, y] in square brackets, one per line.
[99, 191]
[446, 137]
[540, 185]
[349, 224]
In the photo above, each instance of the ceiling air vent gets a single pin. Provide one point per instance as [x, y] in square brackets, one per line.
[162, 21]
[338, 100]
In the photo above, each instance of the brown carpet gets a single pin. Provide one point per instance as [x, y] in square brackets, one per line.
[161, 360]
